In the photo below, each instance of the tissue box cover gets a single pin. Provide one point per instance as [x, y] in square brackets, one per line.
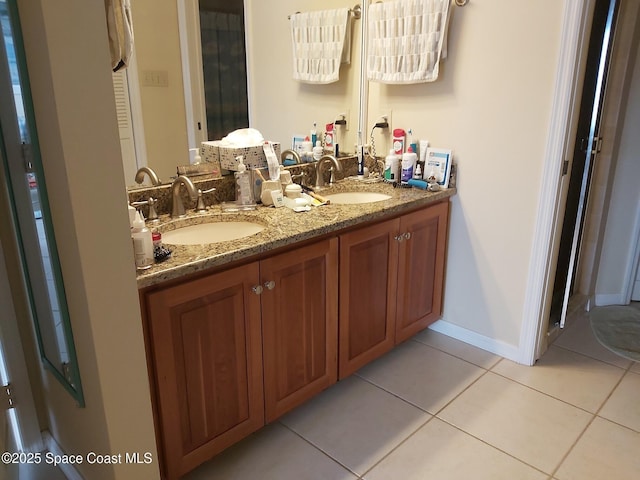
[253, 157]
[210, 154]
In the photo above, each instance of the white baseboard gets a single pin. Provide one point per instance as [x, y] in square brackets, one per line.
[68, 469]
[492, 345]
[605, 299]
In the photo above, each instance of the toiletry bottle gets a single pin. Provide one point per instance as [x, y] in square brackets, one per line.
[317, 151]
[314, 134]
[408, 164]
[307, 147]
[391, 167]
[244, 192]
[417, 174]
[328, 139]
[410, 142]
[142, 243]
[398, 141]
[196, 156]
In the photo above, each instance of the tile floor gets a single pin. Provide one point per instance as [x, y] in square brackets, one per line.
[436, 408]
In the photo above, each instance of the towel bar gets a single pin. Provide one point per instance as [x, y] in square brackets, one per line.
[356, 11]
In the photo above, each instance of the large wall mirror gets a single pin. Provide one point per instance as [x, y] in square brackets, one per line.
[278, 106]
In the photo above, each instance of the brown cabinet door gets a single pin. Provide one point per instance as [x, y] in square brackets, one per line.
[299, 325]
[207, 355]
[421, 269]
[368, 276]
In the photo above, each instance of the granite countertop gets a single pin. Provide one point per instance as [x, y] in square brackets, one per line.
[283, 227]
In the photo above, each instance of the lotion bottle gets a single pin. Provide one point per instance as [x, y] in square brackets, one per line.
[142, 243]
[391, 167]
[244, 192]
[408, 165]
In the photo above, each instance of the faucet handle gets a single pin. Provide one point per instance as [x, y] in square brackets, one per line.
[153, 214]
[201, 206]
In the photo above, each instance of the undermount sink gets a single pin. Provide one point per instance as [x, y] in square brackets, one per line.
[213, 232]
[351, 198]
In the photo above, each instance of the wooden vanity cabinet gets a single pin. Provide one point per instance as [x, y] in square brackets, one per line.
[368, 285]
[239, 348]
[299, 325]
[234, 350]
[421, 269]
[391, 278]
[207, 354]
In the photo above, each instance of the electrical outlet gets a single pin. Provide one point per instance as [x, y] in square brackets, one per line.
[385, 114]
[346, 114]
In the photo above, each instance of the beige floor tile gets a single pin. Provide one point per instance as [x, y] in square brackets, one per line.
[579, 338]
[635, 367]
[623, 406]
[459, 349]
[527, 424]
[568, 376]
[605, 451]
[440, 451]
[355, 423]
[422, 375]
[273, 453]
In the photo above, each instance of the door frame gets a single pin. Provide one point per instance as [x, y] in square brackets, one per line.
[560, 143]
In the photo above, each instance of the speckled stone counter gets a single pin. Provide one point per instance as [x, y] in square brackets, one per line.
[283, 227]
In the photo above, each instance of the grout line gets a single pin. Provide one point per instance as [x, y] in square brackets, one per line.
[573, 446]
[543, 393]
[493, 446]
[498, 357]
[592, 357]
[318, 449]
[397, 446]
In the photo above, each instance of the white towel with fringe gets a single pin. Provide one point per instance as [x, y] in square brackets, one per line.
[406, 40]
[320, 45]
[120, 30]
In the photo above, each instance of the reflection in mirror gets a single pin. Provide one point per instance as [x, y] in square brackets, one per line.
[224, 66]
[279, 107]
[33, 229]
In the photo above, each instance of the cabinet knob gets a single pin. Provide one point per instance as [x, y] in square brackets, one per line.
[270, 285]
[399, 238]
[407, 235]
[257, 289]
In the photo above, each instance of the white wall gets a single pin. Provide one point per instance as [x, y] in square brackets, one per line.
[622, 227]
[157, 46]
[68, 61]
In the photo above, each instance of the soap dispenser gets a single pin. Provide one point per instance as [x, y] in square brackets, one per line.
[244, 192]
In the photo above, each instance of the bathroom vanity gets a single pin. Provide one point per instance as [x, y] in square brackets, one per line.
[240, 332]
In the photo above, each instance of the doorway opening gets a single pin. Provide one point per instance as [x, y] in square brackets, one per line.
[587, 146]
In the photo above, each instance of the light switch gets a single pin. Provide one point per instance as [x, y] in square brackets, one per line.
[155, 78]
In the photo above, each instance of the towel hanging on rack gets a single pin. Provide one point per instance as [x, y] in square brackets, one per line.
[407, 39]
[120, 30]
[319, 44]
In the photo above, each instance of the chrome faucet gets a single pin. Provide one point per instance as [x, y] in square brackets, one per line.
[153, 176]
[293, 153]
[177, 208]
[323, 160]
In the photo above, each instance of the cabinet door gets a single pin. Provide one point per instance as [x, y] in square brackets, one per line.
[207, 355]
[299, 325]
[421, 269]
[368, 275]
